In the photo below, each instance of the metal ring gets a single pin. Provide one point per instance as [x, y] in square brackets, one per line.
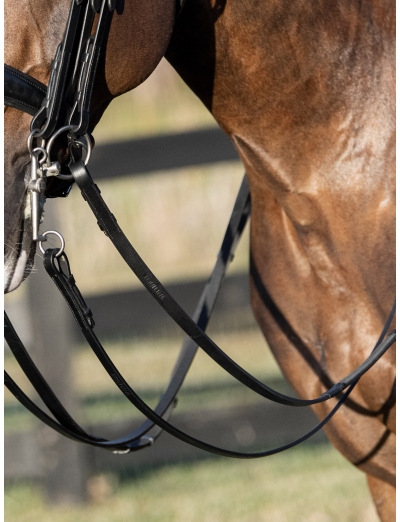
[67, 128]
[88, 146]
[55, 135]
[61, 250]
[121, 451]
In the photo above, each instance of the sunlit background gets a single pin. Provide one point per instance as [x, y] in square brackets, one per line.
[176, 221]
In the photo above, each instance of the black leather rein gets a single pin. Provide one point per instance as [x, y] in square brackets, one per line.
[59, 271]
[64, 107]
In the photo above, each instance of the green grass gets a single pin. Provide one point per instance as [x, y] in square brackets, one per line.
[311, 484]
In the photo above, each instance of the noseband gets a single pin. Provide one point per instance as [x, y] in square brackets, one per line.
[23, 92]
[62, 108]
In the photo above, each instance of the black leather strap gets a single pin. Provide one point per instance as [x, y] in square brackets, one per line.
[157, 420]
[22, 92]
[148, 432]
[25, 401]
[73, 70]
[66, 101]
[155, 423]
[47, 119]
[66, 425]
[109, 225]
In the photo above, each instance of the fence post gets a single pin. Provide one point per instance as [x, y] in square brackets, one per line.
[62, 461]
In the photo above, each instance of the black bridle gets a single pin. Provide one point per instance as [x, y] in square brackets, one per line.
[63, 108]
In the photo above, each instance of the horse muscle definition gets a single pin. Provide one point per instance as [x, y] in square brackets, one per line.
[306, 92]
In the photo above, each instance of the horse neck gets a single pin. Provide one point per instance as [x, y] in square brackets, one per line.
[31, 37]
[305, 90]
[301, 77]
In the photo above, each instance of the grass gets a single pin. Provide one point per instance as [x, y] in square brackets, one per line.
[311, 484]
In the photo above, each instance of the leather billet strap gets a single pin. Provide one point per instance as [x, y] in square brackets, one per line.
[22, 92]
[109, 225]
[67, 98]
[73, 69]
[66, 101]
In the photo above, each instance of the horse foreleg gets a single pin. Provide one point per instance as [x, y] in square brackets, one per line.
[384, 496]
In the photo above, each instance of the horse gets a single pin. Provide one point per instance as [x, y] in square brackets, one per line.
[305, 90]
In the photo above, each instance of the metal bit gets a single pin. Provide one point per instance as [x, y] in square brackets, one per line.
[36, 187]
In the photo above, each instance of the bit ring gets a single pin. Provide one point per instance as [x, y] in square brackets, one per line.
[44, 235]
[88, 146]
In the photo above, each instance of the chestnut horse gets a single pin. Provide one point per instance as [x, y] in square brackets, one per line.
[306, 92]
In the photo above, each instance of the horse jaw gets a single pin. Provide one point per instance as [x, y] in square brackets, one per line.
[19, 249]
[15, 271]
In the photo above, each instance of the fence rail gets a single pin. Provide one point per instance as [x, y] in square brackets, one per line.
[164, 152]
